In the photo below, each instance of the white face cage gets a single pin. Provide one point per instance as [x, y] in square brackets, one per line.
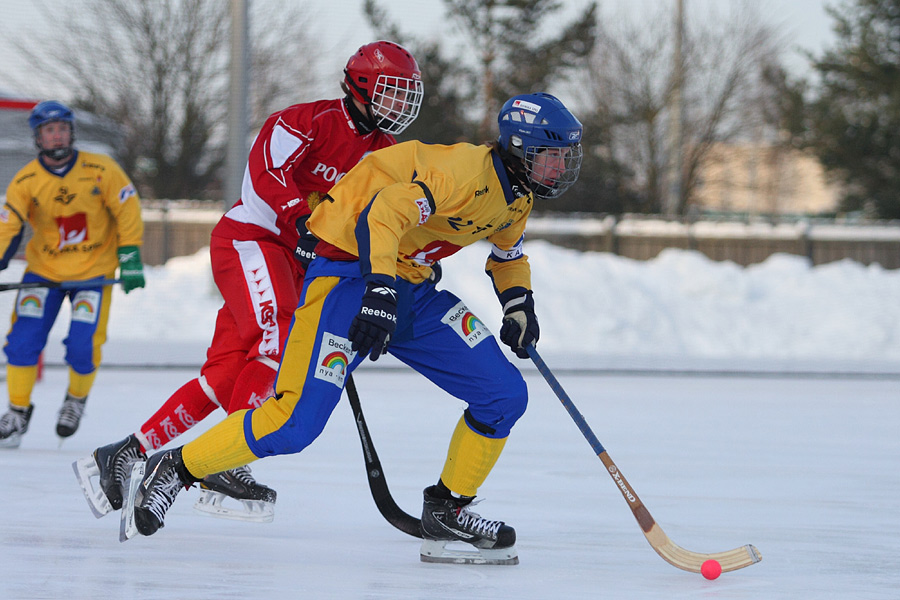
[552, 169]
[396, 102]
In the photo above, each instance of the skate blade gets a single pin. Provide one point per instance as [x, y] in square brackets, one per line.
[436, 551]
[13, 441]
[127, 528]
[253, 511]
[86, 468]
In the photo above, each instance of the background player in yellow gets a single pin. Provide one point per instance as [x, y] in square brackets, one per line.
[367, 292]
[86, 221]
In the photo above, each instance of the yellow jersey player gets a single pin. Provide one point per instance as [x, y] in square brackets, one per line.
[86, 221]
[368, 292]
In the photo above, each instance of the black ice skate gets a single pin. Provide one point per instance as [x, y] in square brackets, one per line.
[151, 491]
[70, 415]
[257, 501]
[111, 465]
[13, 426]
[450, 520]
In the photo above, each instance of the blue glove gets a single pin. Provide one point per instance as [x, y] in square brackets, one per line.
[370, 332]
[520, 324]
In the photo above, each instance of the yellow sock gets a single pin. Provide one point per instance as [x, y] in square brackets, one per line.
[470, 458]
[19, 383]
[221, 448]
[80, 385]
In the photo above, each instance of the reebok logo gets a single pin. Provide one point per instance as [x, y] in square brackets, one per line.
[377, 312]
[481, 192]
[384, 290]
[127, 256]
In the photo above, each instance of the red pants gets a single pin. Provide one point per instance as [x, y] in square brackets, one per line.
[260, 283]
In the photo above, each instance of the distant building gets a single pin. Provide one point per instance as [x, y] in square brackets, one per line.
[92, 133]
[758, 179]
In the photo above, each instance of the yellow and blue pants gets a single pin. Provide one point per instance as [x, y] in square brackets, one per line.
[436, 335]
[35, 312]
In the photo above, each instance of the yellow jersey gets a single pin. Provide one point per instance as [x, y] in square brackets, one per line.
[404, 207]
[79, 217]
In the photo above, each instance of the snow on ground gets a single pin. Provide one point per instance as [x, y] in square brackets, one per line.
[597, 310]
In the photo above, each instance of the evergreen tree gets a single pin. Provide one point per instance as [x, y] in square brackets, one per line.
[515, 52]
[854, 116]
[447, 84]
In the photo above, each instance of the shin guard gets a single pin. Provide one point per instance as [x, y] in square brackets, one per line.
[184, 409]
[19, 383]
[254, 385]
[470, 458]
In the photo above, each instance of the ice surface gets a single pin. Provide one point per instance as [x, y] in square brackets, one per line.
[805, 469]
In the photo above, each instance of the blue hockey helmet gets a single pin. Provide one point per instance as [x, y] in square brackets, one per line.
[47, 112]
[540, 131]
[50, 110]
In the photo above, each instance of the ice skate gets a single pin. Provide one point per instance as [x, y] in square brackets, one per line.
[257, 501]
[70, 415]
[13, 426]
[152, 487]
[111, 465]
[449, 521]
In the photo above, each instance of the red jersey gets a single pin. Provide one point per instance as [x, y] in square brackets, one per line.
[303, 149]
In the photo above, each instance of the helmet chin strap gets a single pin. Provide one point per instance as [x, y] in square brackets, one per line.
[515, 166]
[365, 123]
[57, 154]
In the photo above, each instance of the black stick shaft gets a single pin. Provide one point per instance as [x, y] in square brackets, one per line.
[377, 483]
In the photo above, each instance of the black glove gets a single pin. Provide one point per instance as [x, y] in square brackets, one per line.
[370, 332]
[436, 273]
[305, 251]
[520, 324]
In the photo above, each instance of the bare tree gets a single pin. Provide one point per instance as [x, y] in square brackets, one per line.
[159, 68]
[520, 46]
[723, 90]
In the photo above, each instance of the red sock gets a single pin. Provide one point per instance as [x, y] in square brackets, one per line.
[254, 385]
[184, 409]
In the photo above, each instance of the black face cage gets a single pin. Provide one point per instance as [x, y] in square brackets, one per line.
[55, 153]
[555, 181]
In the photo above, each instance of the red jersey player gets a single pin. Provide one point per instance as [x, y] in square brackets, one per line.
[258, 266]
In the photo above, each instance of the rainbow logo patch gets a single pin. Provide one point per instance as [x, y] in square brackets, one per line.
[84, 306]
[465, 324]
[30, 303]
[335, 355]
[335, 360]
[470, 323]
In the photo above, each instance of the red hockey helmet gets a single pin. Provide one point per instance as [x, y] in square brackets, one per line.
[386, 78]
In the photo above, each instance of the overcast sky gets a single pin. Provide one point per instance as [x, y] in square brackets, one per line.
[342, 28]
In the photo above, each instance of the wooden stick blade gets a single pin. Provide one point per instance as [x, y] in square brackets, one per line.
[671, 552]
[675, 555]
